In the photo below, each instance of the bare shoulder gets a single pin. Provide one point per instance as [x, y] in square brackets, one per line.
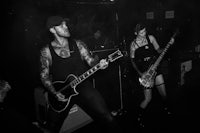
[151, 37]
[133, 45]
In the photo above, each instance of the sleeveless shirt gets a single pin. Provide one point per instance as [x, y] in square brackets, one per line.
[62, 67]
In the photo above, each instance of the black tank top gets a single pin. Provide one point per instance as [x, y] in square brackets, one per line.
[62, 67]
[145, 56]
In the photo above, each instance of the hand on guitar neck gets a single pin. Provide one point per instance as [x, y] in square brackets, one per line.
[171, 40]
[103, 64]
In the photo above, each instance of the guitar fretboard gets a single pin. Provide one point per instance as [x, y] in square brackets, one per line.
[112, 57]
[85, 75]
[161, 56]
[165, 50]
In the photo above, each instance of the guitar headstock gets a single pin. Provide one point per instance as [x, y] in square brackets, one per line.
[173, 36]
[176, 33]
[114, 56]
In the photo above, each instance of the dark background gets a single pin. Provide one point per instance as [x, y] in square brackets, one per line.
[24, 26]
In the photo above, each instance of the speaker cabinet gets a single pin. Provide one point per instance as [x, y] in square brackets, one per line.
[76, 119]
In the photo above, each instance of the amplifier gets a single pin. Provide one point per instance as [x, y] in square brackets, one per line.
[76, 119]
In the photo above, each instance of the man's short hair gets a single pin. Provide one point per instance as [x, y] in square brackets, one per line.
[55, 21]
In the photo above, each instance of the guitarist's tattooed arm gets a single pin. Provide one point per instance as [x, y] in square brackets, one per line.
[88, 57]
[86, 54]
[46, 60]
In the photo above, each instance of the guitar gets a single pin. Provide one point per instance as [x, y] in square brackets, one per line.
[68, 87]
[147, 79]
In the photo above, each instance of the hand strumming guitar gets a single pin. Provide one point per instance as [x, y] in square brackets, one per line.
[60, 96]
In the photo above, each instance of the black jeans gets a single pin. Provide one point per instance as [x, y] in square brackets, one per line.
[92, 102]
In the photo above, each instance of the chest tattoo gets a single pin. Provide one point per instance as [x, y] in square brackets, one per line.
[62, 52]
[141, 42]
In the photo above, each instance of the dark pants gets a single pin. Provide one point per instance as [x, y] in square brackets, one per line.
[91, 101]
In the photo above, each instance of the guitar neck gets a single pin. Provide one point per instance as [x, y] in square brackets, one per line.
[85, 75]
[161, 56]
[112, 57]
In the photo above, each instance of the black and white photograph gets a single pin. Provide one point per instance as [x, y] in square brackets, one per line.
[101, 66]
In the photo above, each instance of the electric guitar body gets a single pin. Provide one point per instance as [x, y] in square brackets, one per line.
[68, 92]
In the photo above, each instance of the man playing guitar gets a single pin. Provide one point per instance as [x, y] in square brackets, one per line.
[64, 56]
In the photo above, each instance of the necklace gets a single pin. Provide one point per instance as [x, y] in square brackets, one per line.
[61, 50]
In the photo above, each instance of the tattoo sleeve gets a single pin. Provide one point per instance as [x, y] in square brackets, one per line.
[45, 61]
[85, 54]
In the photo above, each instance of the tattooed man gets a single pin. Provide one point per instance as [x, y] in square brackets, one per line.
[64, 56]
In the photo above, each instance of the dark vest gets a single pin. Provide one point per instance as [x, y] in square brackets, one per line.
[62, 67]
[145, 56]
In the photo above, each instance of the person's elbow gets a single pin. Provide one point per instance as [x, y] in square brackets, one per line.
[94, 61]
